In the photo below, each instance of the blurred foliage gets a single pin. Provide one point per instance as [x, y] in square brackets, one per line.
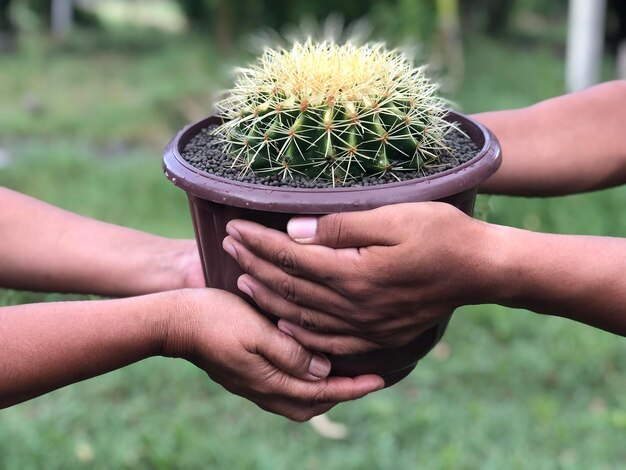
[495, 17]
[5, 18]
[118, 89]
[7, 28]
[42, 10]
[249, 15]
[393, 19]
[616, 24]
[401, 20]
[82, 126]
[553, 8]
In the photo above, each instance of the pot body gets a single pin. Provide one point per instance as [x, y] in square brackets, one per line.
[215, 201]
[222, 272]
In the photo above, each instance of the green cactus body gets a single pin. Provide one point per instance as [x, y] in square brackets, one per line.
[333, 112]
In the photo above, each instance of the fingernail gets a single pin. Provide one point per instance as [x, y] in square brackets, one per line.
[302, 228]
[319, 367]
[232, 231]
[244, 287]
[229, 248]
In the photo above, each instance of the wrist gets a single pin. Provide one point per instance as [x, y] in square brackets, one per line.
[175, 323]
[483, 268]
[169, 265]
[501, 276]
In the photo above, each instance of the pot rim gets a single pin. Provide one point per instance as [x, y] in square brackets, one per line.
[327, 200]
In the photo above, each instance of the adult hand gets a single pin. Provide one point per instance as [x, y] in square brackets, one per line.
[186, 260]
[244, 352]
[352, 282]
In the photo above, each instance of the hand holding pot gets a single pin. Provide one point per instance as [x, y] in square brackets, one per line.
[357, 281]
[241, 349]
[189, 264]
[50, 345]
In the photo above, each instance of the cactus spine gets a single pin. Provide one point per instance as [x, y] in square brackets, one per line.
[333, 112]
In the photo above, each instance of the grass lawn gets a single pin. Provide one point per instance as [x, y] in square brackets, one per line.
[84, 127]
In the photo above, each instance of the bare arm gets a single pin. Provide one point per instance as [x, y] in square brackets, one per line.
[47, 346]
[577, 277]
[45, 248]
[570, 144]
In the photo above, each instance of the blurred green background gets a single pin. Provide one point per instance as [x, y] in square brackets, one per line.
[84, 117]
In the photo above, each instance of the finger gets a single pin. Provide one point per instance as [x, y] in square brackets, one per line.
[337, 389]
[327, 343]
[318, 263]
[293, 410]
[286, 354]
[348, 229]
[309, 318]
[301, 399]
[294, 289]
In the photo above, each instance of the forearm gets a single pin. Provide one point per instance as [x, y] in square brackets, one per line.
[573, 143]
[45, 248]
[577, 277]
[48, 346]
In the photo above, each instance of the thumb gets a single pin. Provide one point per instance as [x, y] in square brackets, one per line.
[286, 354]
[345, 230]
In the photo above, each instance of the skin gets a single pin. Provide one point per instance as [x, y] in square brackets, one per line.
[570, 144]
[353, 282]
[47, 251]
[49, 345]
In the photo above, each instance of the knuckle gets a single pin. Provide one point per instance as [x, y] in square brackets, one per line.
[336, 227]
[285, 259]
[287, 288]
[320, 395]
[298, 357]
[308, 319]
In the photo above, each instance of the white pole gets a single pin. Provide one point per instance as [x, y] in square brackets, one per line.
[621, 60]
[61, 17]
[585, 40]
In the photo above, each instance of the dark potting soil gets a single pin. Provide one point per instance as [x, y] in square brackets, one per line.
[204, 152]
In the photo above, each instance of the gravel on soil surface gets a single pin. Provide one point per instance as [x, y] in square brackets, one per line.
[204, 152]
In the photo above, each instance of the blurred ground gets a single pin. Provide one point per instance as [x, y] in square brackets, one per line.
[82, 126]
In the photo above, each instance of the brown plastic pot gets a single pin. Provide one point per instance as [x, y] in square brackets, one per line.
[214, 201]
